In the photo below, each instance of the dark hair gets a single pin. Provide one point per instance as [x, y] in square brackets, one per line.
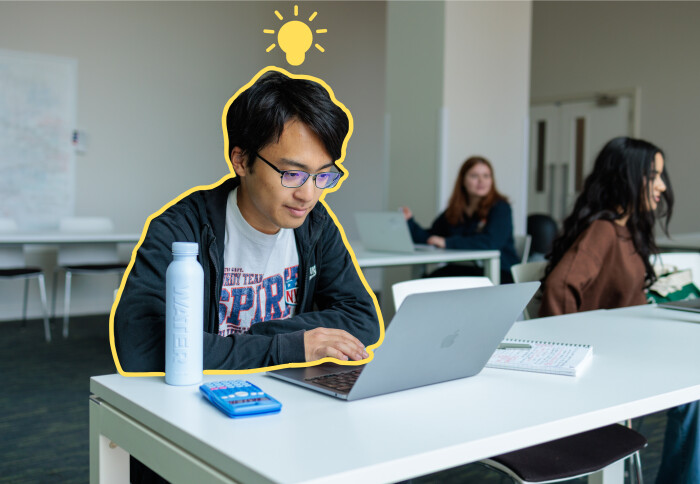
[257, 116]
[460, 198]
[618, 187]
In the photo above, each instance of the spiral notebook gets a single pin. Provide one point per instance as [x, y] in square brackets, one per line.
[542, 357]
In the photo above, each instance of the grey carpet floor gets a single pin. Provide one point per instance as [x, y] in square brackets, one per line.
[44, 407]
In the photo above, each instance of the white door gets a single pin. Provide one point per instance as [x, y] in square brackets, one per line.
[565, 138]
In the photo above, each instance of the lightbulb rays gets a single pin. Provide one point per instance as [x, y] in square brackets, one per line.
[295, 37]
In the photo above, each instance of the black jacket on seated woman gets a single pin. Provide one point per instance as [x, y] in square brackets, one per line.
[478, 217]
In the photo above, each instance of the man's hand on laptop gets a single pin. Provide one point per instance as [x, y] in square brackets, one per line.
[335, 343]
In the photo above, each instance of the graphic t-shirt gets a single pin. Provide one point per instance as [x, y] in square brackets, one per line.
[260, 278]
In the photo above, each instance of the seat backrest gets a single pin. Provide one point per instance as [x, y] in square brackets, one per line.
[682, 260]
[81, 254]
[543, 230]
[522, 246]
[432, 284]
[531, 271]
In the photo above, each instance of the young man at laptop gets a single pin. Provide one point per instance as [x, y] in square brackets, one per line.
[280, 286]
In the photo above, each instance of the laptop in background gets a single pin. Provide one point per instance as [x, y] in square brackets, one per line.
[386, 231]
[433, 337]
[692, 305]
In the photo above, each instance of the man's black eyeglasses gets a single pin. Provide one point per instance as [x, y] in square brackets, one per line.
[296, 178]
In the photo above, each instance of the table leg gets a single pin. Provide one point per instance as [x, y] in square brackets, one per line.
[613, 474]
[493, 270]
[108, 462]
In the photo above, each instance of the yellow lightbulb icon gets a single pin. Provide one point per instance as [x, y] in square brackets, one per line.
[295, 38]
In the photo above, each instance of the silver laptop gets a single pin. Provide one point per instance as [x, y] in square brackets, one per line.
[386, 231]
[434, 337]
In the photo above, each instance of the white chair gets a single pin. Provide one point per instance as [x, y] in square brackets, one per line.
[564, 459]
[522, 246]
[682, 260]
[432, 284]
[84, 259]
[531, 271]
[14, 267]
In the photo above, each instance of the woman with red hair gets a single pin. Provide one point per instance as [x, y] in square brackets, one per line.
[477, 217]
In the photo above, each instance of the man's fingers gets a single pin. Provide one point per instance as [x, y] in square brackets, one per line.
[334, 353]
[326, 342]
[350, 346]
[352, 351]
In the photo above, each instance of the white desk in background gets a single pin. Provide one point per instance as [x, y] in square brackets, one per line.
[644, 360]
[60, 238]
[690, 242]
[369, 258]
[365, 258]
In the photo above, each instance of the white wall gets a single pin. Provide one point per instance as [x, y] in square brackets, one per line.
[477, 72]
[486, 94]
[469, 60]
[153, 78]
[591, 47]
[415, 45]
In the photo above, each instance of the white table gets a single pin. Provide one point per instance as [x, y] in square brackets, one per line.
[690, 241]
[365, 258]
[368, 258]
[60, 238]
[645, 360]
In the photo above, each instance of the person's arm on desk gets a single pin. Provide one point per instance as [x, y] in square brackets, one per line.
[434, 236]
[494, 235]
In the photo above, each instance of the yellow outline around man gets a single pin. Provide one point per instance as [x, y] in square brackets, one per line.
[279, 127]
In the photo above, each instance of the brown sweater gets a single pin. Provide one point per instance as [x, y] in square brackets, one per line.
[601, 270]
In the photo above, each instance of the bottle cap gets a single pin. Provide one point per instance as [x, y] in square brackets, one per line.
[185, 248]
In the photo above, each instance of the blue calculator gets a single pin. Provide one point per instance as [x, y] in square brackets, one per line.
[239, 398]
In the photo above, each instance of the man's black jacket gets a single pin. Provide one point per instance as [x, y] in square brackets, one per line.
[330, 292]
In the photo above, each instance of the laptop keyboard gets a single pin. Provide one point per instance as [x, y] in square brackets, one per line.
[342, 381]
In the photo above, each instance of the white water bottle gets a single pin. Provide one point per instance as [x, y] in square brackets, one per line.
[184, 294]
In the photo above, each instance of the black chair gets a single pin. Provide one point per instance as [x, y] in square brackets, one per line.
[84, 259]
[571, 457]
[13, 267]
[543, 230]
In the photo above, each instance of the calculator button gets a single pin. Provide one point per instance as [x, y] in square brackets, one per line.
[241, 394]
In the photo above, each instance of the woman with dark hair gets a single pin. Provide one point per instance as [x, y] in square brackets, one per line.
[477, 217]
[602, 261]
[611, 226]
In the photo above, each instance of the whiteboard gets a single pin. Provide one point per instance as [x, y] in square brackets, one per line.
[37, 120]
